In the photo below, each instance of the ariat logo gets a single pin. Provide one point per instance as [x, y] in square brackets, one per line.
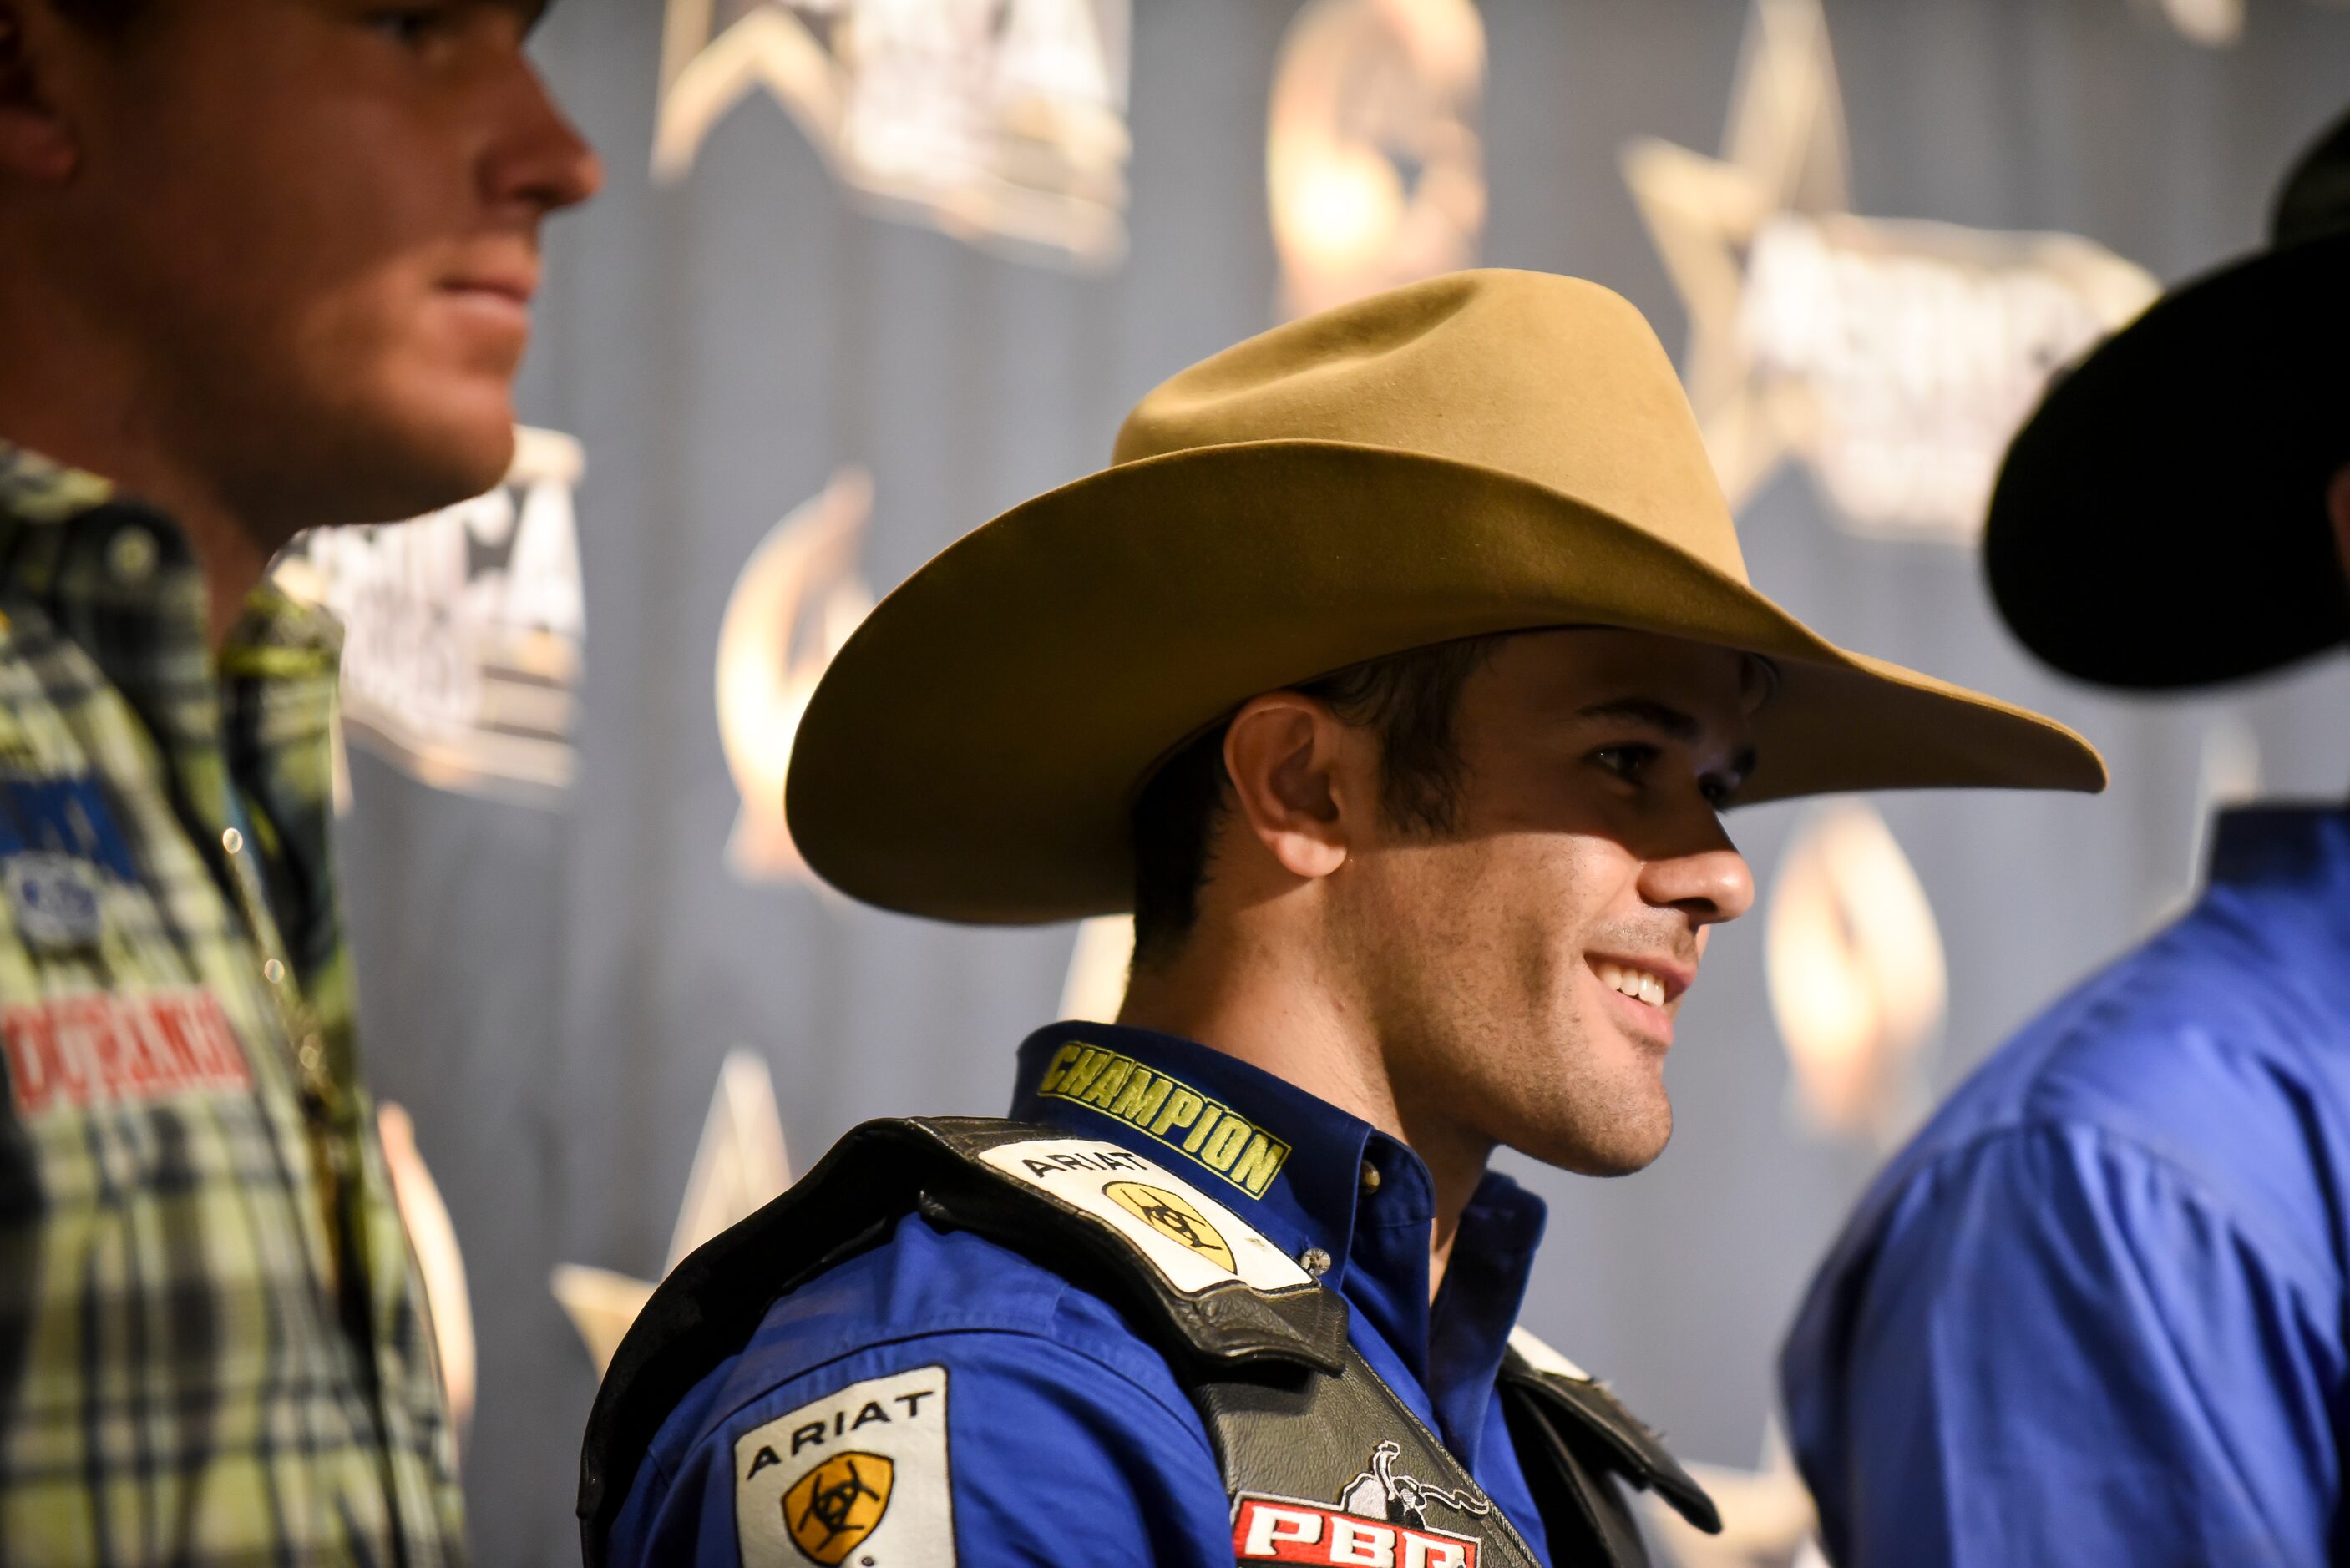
[1174, 1217]
[856, 1477]
[833, 1507]
[1170, 1111]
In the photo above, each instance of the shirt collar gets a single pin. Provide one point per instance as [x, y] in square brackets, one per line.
[2300, 843]
[1293, 1166]
[120, 579]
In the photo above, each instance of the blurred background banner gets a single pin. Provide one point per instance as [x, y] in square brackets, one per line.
[869, 271]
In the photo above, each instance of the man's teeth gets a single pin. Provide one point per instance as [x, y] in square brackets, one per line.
[1637, 983]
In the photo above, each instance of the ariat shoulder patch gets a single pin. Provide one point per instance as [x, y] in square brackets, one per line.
[1186, 1121]
[1195, 1242]
[858, 1476]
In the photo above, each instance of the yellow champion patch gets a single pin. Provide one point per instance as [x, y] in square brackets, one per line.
[1174, 1217]
[833, 1507]
[1169, 1110]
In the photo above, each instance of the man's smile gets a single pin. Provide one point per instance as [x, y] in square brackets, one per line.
[1645, 992]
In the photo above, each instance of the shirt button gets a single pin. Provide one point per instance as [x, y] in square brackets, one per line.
[273, 972]
[232, 840]
[131, 556]
[1370, 1178]
[1314, 1262]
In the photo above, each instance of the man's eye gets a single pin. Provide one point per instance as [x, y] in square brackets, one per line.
[409, 25]
[1630, 763]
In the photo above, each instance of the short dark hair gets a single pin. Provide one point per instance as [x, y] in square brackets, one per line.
[1409, 698]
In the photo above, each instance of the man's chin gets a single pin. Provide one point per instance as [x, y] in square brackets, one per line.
[452, 452]
[1618, 1145]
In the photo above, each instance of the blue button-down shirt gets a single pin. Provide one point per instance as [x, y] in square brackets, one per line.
[2096, 1313]
[1070, 1439]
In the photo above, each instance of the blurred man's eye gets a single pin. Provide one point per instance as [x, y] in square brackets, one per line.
[409, 25]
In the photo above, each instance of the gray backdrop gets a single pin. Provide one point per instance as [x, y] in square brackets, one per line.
[551, 990]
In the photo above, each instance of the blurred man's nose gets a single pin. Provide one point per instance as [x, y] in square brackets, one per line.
[541, 160]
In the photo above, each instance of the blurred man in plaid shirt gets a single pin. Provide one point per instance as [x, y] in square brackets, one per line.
[264, 264]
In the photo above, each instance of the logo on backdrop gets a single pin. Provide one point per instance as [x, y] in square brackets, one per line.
[2215, 24]
[1374, 167]
[1895, 357]
[799, 596]
[461, 630]
[1853, 961]
[995, 120]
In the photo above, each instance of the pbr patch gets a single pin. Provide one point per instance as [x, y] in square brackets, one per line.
[1194, 1242]
[1380, 1521]
[858, 1476]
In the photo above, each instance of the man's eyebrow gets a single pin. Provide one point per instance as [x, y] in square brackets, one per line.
[1661, 717]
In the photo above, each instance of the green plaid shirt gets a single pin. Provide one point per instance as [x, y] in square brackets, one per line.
[213, 1347]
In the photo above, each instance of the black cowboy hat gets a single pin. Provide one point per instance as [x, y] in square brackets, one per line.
[2161, 520]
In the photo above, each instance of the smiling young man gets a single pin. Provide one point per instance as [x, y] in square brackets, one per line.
[263, 264]
[1395, 676]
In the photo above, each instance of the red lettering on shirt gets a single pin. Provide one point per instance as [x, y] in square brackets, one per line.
[103, 1048]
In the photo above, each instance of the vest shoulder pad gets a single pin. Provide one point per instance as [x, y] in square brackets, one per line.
[1199, 1282]
[1585, 1417]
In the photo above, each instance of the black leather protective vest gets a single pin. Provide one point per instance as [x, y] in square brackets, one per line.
[1321, 1460]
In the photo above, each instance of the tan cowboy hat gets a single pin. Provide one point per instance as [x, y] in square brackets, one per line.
[1483, 452]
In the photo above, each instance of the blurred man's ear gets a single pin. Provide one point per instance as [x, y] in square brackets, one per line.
[35, 144]
[2337, 506]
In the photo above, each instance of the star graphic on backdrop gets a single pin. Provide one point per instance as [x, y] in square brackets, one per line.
[739, 1166]
[1895, 357]
[1784, 151]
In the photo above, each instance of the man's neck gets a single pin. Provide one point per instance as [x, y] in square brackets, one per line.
[1241, 999]
[109, 436]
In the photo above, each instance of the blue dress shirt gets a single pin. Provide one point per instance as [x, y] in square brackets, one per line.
[2096, 1313]
[1070, 1440]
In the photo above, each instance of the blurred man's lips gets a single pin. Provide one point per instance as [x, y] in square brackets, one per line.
[503, 303]
[502, 286]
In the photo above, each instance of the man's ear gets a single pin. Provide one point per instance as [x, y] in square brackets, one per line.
[2337, 506]
[1286, 755]
[35, 142]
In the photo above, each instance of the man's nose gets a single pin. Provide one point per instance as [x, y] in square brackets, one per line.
[1710, 884]
[541, 160]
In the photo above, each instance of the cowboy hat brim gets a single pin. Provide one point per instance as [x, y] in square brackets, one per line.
[2160, 521]
[1132, 609]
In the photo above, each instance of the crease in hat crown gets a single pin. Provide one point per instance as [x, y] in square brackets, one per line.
[1549, 380]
